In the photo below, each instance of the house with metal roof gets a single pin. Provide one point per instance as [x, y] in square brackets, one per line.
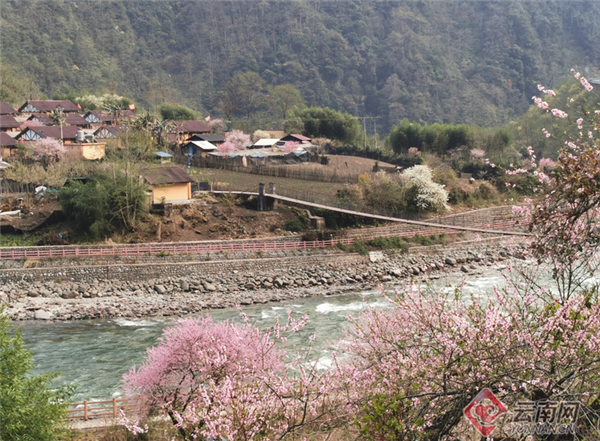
[163, 157]
[295, 137]
[169, 185]
[198, 148]
[213, 138]
[264, 143]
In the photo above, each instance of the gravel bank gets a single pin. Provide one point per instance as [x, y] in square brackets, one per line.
[192, 293]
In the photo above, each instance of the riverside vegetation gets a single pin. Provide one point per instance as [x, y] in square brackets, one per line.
[408, 372]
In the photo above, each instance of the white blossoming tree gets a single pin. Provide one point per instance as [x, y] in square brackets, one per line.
[424, 194]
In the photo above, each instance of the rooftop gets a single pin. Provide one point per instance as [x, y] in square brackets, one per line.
[171, 175]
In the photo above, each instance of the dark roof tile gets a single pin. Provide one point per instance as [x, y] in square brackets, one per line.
[171, 175]
[7, 140]
[6, 109]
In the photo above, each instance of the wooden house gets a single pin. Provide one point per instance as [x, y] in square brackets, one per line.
[47, 106]
[71, 119]
[295, 137]
[110, 132]
[7, 145]
[198, 148]
[8, 123]
[68, 133]
[101, 117]
[186, 129]
[214, 138]
[169, 184]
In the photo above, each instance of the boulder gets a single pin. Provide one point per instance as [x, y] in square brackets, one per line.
[160, 289]
[41, 315]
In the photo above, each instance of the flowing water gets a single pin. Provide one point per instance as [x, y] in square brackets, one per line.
[94, 354]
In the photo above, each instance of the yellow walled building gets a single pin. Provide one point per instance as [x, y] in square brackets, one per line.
[86, 150]
[169, 184]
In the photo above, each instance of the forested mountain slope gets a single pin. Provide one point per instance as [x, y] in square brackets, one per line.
[450, 61]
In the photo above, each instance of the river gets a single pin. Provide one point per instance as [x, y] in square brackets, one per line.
[94, 354]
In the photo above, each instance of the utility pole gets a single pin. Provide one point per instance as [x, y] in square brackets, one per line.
[364, 120]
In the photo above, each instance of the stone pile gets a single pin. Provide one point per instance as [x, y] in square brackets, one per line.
[168, 296]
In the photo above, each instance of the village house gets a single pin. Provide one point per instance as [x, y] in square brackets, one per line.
[186, 129]
[198, 148]
[295, 137]
[214, 138]
[110, 132]
[264, 143]
[169, 185]
[71, 119]
[7, 109]
[7, 145]
[47, 106]
[100, 117]
[88, 151]
[74, 140]
[66, 133]
[8, 123]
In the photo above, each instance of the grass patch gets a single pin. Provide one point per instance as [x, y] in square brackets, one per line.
[360, 247]
[389, 243]
[18, 240]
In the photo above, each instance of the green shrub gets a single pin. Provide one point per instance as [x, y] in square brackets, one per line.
[341, 246]
[389, 243]
[294, 225]
[421, 240]
[360, 247]
[31, 408]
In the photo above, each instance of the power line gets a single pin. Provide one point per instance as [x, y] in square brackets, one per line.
[371, 118]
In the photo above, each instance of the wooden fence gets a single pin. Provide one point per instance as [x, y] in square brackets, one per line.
[278, 171]
[96, 409]
[47, 252]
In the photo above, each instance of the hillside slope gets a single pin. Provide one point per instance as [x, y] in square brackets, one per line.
[473, 62]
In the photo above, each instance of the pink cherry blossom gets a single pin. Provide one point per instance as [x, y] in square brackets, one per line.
[559, 113]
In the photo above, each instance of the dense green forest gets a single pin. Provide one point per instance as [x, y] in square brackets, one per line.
[426, 61]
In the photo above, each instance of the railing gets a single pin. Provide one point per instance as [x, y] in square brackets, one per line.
[96, 409]
[166, 250]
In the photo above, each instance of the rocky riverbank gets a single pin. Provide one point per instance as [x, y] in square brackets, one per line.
[233, 283]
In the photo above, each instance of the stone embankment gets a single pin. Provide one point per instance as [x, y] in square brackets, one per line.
[184, 288]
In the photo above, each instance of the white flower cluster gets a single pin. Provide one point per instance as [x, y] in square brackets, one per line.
[427, 194]
[98, 101]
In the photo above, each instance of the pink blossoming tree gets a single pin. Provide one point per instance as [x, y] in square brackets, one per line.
[238, 138]
[47, 149]
[30, 123]
[564, 218]
[413, 368]
[226, 380]
[226, 148]
[290, 146]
